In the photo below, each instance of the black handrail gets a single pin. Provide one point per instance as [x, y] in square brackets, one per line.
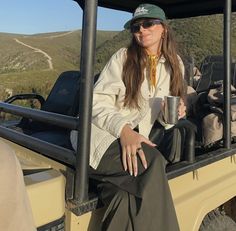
[227, 74]
[27, 96]
[42, 116]
[61, 154]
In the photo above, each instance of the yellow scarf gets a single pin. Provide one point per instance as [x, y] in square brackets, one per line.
[152, 65]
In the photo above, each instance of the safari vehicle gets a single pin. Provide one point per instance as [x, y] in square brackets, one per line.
[203, 186]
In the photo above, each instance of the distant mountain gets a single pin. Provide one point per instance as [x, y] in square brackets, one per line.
[197, 37]
[25, 52]
[33, 62]
[202, 36]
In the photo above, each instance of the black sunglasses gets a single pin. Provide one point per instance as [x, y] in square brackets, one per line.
[134, 28]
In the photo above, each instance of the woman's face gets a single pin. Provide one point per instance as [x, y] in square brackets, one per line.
[148, 35]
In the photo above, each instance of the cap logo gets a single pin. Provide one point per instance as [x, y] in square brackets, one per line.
[140, 11]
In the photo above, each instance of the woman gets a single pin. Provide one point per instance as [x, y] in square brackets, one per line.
[127, 100]
[15, 210]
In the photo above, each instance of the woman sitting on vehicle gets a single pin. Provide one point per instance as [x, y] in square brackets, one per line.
[127, 100]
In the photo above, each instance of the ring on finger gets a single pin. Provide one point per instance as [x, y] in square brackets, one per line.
[139, 149]
[133, 155]
[129, 155]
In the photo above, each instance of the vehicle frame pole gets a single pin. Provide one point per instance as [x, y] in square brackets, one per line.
[227, 74]
[88, 46]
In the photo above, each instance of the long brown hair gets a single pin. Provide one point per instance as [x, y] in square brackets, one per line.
[133, 69]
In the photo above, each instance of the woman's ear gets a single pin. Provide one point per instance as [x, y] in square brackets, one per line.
[164, 33]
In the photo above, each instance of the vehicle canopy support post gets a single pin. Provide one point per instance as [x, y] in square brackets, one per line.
[227, 74]
[88, 46]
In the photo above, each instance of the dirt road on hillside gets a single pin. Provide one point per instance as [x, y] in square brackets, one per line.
[48, 57]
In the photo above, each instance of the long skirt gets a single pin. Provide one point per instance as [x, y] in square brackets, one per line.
[141, 203]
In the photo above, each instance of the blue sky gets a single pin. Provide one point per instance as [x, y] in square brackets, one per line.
[39, 16]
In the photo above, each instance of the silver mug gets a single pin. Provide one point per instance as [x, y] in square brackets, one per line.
[171, 105]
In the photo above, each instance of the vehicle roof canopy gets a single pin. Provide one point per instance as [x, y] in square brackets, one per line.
[172, 8]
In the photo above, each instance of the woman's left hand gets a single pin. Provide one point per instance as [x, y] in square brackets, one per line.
[181, 109]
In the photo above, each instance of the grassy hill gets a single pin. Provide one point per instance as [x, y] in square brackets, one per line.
[26, 69]
[202, 36]
[196, 37]
[63, 47]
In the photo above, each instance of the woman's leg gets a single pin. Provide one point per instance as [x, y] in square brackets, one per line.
[117, 202]
[135, 203]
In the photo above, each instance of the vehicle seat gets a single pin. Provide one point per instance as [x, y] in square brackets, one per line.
[177, 143]
[63, 99]
[212, 69]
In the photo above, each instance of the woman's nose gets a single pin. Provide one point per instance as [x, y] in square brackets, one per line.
[141, 28]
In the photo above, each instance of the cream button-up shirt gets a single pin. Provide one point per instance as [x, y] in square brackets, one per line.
[109, 115]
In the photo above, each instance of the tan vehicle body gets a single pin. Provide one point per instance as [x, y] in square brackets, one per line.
[195, 193]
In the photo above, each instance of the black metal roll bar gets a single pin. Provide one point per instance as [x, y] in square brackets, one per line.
[42, 116]
[61, 154]
[55, 152]
[86, 89]
[227, 74]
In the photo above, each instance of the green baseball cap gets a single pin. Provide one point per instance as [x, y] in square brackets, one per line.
[146, 11]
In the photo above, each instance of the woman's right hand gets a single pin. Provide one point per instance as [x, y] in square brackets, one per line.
[131, 146]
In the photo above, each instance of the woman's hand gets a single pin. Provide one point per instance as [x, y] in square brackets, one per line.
[181, 109]
[131, 146]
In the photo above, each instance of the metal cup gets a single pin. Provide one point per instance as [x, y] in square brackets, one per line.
[171, 109]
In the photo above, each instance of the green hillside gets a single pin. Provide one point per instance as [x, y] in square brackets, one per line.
[24, 69]
[25, 60]
[202, 36]
[197, 37]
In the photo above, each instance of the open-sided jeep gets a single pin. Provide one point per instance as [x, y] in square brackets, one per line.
[62, 197]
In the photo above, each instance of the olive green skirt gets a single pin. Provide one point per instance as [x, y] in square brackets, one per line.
[141, 203]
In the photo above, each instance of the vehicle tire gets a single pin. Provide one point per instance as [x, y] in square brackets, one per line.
[217, 221]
